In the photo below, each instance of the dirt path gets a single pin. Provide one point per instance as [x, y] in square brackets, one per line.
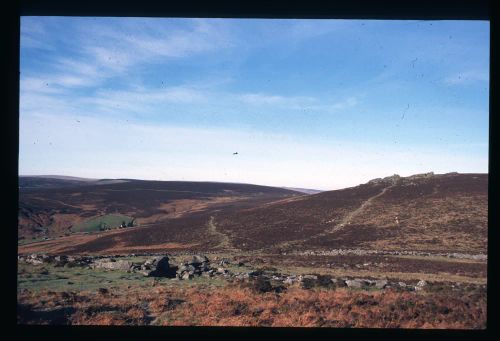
[341, 224]
[346, 220]
[225, 242]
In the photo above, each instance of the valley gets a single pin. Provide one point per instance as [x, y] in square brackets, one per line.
[389, 240]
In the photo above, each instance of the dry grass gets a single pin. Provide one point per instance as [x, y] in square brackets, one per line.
[237, 306]
[404, 276]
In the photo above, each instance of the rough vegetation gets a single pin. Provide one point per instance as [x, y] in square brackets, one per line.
[239, 306]
[434, 213]
[394, 252]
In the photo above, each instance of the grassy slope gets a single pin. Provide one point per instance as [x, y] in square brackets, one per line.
[94, 224]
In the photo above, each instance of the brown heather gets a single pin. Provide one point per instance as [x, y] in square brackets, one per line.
[237, 306]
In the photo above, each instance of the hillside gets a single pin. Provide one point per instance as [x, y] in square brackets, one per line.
[423, 212]
[50, 207]
[433, 213]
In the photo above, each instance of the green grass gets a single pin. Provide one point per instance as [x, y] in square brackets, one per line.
[48, 277]
[77, 278]
[95, 223]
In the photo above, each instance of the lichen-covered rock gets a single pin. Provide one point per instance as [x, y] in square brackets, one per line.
[198, 260]
[112, 264]
[381, 283]
[355, 283]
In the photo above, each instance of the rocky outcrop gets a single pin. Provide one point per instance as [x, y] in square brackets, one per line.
[389, 180]
[69, 261]
[381, 283]
[356, 283]
[111, 264]
[157, 267]
[197, 266]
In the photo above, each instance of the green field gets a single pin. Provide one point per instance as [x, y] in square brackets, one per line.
[110, 221]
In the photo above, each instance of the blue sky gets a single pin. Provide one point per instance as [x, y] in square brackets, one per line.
[321, 104]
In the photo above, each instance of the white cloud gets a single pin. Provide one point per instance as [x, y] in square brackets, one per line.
[100, 52]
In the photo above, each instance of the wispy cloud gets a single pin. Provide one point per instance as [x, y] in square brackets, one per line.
[121, 47]
[40, 94]
[102, 51]
[143, 101]
[31, 33]
[298, 102]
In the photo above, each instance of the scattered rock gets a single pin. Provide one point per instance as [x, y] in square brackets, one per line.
[224, 262]
[256, 273]
[112, 264]
[354, 283]
[206, 274]
[308, 283]
[381, 283]
[421, 283]
[221, 270]
[159, 267]
[198, 260]
[187, 275]
[325, 281]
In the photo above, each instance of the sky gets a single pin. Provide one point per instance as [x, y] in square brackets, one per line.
[322, 104]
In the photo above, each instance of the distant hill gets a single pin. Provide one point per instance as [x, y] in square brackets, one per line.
[58, 181]
[50, 206]
[304, 190]
[426, 212]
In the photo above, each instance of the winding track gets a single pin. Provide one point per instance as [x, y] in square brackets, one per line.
[225, 241]
[342, 223]
[349, 216]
